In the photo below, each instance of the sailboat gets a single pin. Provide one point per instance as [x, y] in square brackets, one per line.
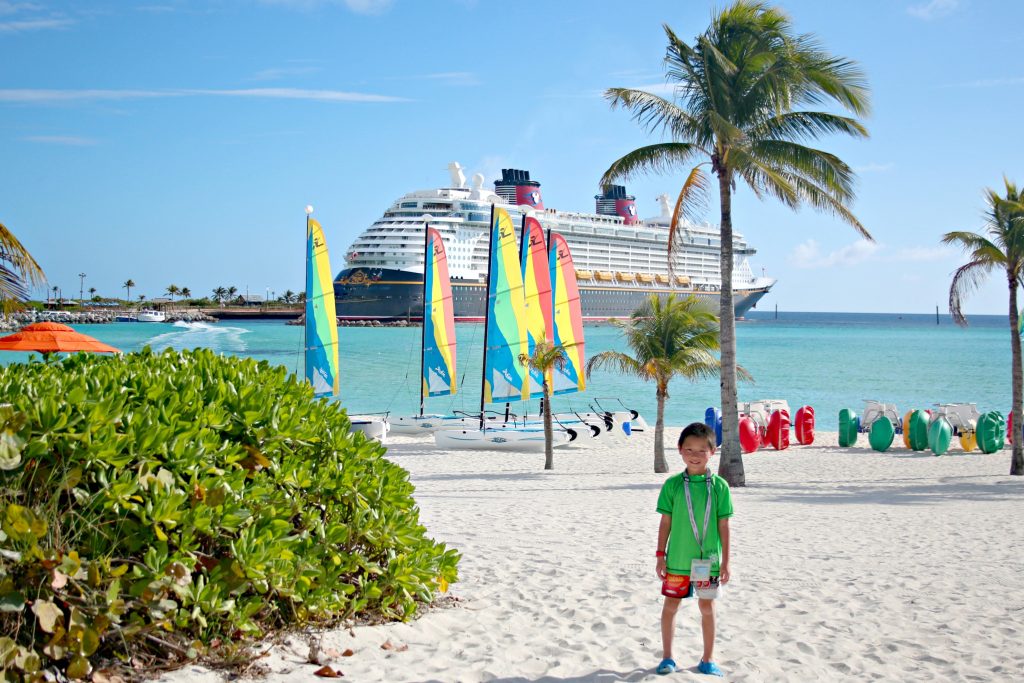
[321, 329]
[504, 377]
[437, 360]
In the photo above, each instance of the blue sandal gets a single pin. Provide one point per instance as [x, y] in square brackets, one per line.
[709, 668]
[667, 666]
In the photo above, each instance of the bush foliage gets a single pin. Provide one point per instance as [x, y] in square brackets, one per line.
[155, 504]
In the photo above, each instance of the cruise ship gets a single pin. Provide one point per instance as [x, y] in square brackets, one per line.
[620, 260]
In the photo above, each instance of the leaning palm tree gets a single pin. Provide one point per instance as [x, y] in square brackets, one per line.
[172, 290]
[18, 270]
[1000, 248]
[186, 293]
[545, 358]
[128, 284]
[668, 338]
[736, 108]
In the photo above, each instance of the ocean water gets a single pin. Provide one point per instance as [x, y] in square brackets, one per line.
[827, 360]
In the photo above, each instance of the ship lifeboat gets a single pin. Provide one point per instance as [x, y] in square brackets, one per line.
[625, 277]
[604, 276]
[804, 425]
[584, 274]
[683, 280]
[645, 277]
[663, 279]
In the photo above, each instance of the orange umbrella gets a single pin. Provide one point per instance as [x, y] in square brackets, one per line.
[52, 337]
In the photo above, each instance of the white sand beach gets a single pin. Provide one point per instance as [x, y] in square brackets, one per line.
[847, 565]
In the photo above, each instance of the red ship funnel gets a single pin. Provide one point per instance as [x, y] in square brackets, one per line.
[516, 188]
[615, 202]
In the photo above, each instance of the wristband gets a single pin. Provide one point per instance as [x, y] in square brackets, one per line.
[659, 553]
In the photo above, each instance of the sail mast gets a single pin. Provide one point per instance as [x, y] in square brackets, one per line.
[483, 373]
[423, 318]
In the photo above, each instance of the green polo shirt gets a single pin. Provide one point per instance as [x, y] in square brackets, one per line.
[682, 546]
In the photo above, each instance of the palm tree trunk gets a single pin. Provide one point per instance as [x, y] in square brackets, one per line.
[731, 466]
[1017, 387]
[549, 436]
[660, 466]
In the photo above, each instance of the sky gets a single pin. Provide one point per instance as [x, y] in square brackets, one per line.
[178, 141]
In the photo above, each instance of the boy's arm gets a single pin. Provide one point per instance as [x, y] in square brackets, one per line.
[663, 531]
[723, 534]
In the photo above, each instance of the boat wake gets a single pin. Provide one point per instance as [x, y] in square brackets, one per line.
[187, 335]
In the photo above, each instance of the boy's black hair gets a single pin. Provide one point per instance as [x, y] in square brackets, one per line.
[698, 429]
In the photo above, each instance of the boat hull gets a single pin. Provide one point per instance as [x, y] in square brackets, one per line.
[529, 441]
[391, 295]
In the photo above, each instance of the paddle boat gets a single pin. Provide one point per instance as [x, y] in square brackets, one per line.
[766, 422]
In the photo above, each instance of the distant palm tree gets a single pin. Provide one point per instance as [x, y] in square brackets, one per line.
[128, 284]
[220, 294]
[545, 358]
[288, 297]
[301, 297]
[231, 292]
[142, 297]
[92, 293]
[172, 290]
[55, 290]
[186, 293]
[1000, 249]
[18, 270]
[668, 338]
[737, 91]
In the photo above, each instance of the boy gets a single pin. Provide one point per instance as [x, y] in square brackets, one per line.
[693, 542]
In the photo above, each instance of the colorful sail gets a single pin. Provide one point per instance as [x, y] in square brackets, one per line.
[438, 320]
[321, 318]
[533, 255]
[505, 377]
[568, 318]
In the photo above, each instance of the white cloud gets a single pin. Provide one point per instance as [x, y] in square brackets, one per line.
[20, 25]
[454, 78]
[933, 9]
[808, 255]
[989, 83]
[919, 254]
[69, 140]
[7, 7]
[358, 6]
[54, 96]
[874, 167]
[276, 73]
[661, 89]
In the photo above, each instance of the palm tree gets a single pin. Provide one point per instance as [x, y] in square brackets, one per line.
[55, 290]
[17, 270]
[545, 358]
[92, 292]
[739, 88]
[142, 297]
[231, 292]
[172, 290]
[186, 293]
[128, 284]
[288, 297]
[668, 337]
[219, 294]
[1001, 248]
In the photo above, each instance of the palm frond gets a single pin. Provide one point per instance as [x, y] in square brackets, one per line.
[691, 205]
[762, 177]
[658, 158]
[806, 125]
[652, 112]
[966, 279]
[823, 200]
[820, 167]
[618, 362]
[977, 245]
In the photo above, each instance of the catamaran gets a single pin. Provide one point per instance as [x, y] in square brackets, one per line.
[321, 329]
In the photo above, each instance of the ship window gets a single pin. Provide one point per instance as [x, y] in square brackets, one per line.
[408, 205]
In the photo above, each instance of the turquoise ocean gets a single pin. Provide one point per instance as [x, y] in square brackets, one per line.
[827, 360]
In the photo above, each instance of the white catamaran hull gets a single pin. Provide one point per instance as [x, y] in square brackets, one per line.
[520, 440]
[373, 427]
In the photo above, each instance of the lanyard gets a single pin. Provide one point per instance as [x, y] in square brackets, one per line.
[700, 538]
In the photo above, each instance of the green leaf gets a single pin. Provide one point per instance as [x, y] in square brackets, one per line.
[11, 446]
[90, 641]
[12, 602]
[79, 667]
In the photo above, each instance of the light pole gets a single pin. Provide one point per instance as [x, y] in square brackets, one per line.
[81, 288]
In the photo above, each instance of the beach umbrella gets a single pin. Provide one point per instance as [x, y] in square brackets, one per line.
[52, 338]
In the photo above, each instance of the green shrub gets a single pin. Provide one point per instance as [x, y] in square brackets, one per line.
[158, 503]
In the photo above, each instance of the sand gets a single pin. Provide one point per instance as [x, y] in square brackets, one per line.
[847, 565]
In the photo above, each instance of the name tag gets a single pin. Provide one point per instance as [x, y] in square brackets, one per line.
[700, 570]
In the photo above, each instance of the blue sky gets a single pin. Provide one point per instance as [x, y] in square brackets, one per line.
[177, 141]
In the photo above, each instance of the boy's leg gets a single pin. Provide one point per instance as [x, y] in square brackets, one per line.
[668, 625]
[707, 626]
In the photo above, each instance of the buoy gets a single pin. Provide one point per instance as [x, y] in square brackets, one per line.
[918, 429]
[906, 429]
[804, 425]
[778, 430]
[968, 440]
[749, 439]
[713, 419]
[848, 426]
[991, 432]
[940, 435]
[881, 434]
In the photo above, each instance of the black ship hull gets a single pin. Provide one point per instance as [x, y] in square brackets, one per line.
[390, 295]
